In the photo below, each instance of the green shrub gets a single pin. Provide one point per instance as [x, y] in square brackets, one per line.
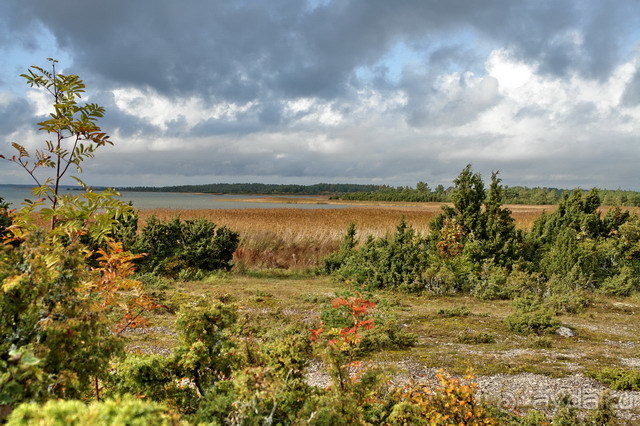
[154, 282]
[459, 311]
[618, 378]
[334, 261]
[562, 297]
[125, 229]
[480, 234]
[5, 218]
[316, 298]
[491, 283]
[206, 352]
[448, 276]
[387, 332]
[537, 321]
[393, 263]
[271, 389]
[540, 342]
[125, 411]
[476, 338]
[47, 311]
[191, 274]
[577, 212]
[154, 378]
[174, 246]
[623, 284]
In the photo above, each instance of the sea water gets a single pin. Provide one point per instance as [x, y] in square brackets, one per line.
[16, 194]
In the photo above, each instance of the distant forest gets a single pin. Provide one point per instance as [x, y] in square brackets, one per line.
[261, 188]
[421, 193]
[511, 195]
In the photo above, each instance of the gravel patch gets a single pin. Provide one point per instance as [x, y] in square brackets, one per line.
[630, 362]
[149, 350]
[517, 391]
[620, 343]
[149, 330]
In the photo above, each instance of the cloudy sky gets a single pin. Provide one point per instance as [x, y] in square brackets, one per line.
[308, 91]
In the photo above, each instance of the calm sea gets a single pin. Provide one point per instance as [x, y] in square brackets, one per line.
[171, 200]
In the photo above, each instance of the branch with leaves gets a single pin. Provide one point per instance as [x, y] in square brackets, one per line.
[73, 127]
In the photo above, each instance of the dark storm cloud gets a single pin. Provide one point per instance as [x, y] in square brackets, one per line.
[366, 117]
[245, 50]
[14, 114]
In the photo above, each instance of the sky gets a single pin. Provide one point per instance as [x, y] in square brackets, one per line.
[342, 91]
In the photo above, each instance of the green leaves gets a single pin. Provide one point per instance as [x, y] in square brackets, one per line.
[76, 132]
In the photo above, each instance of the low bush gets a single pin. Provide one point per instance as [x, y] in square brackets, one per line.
[151, 377]
[540, 342]
[618, 378]
[335, 260]
[563, 296]
[386, 332]
[153, 282]
[454, 401]
[397, 262]
[538, 321]
[122, 411]
[5, 218]
[476, 338]
[193, 246]
[491, 283]
[459, 311]
[448, 276]
[625, 283]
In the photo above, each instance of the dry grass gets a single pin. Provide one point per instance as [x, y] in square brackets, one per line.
[301, 238]
[298, 238]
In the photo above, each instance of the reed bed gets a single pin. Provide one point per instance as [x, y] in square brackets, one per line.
[301, 238]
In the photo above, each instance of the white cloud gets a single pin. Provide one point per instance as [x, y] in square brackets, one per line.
[160, 110]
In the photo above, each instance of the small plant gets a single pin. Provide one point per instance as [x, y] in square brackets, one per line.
[5, 217]
[75, 136]
[316, 298]
[540, 342]
[387, 333]
[341, 334]
[460, 311]
[476, 338]
[191, 274]
[154, 282]
[206, 353]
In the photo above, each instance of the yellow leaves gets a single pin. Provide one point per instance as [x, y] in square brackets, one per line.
[22, 152]
[12, 282]
[452, 402]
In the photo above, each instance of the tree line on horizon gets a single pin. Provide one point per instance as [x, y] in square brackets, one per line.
[259, 188]
[511, 195]
[421, 193]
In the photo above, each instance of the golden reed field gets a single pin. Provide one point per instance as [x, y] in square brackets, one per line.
[300, 238]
